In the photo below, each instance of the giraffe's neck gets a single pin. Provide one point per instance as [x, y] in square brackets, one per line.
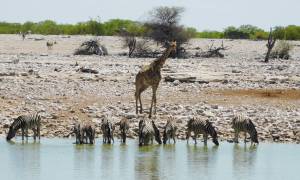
[159, 62]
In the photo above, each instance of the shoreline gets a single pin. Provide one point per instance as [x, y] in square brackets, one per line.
[48, 81]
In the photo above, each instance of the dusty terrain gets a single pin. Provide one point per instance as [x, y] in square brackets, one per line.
[33, 78]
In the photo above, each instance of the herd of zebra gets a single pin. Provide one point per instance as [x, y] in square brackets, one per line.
[147, 130]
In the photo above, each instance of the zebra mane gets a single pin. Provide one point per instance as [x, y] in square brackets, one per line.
[16, 124]
[212, 130]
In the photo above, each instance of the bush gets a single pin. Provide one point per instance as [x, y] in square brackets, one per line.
[259, 35]
[234, 33]
[91, 47]
[282, 50]
[210, 34]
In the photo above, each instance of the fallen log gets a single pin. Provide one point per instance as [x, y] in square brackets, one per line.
[185, 80]
[88, 70]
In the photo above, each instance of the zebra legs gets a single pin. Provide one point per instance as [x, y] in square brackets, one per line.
[26, 133]
[23, 133]
[34, 134]
[39, 132]
[245, 140]
[205, 137]
[236, 137]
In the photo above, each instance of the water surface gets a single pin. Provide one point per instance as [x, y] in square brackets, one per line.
[60, 159]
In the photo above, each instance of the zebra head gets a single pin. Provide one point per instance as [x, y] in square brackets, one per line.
[78, 133]
[212, 132]
[107, 129]
[165, 137]
[13, 129]
[91, 134]
[156, 133]
[11, 133]
[123, 128]
[141, 126]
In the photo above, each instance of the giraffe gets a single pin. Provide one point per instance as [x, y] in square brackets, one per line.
[150, 76]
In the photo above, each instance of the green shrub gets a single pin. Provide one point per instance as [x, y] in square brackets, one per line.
[210, 34]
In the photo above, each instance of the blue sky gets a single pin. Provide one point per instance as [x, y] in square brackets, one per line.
[201, 14]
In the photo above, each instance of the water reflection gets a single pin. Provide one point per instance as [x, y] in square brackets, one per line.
[201, 160]
[25, 158]
[84, 161]
[60, 159]
[147, 162]
[107, 161]
[243, 160]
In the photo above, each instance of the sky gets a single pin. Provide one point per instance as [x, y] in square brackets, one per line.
[201, 14]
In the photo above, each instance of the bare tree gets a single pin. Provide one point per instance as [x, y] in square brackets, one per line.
[270, 45]
[163, 27]
[213, 51]
[129, 40]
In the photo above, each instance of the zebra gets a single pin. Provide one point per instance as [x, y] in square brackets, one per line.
[170, 130]
[148, 129]
[108, 131]
[84, 132]
[25, 122]
[242, 124]
[200, 126]
[124, 127]
[77, 131]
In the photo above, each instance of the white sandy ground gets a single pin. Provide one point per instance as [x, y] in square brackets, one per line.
[47, 81]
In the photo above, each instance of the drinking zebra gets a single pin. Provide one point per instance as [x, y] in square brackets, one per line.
[84, 132]
[107, 130]
[200, 126]
[148, 129]
[77, 131]
[242, 124]
[124, 127]
[170, 130]
[24, 123]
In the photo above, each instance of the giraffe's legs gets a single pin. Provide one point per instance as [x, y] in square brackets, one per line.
[136, 102]
[153, 101]
[140, 100]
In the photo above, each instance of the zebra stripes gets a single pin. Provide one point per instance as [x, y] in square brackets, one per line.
[25, 122]
[200, 126]
[107, 130]
[124, 127]
[148, 129]
[170, 130]
[84, 132]
[242, 124]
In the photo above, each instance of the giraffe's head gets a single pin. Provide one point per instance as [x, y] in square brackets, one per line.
[173, 45]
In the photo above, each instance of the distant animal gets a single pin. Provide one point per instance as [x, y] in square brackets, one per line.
[84, 132]
[170, 130]
[50, 44]
[151, 76]
[201, 126]
[242, 124]
[107, 130]
[77, 132]
[23, 34]
[148, 130]
[25, 122]
[124, 128]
